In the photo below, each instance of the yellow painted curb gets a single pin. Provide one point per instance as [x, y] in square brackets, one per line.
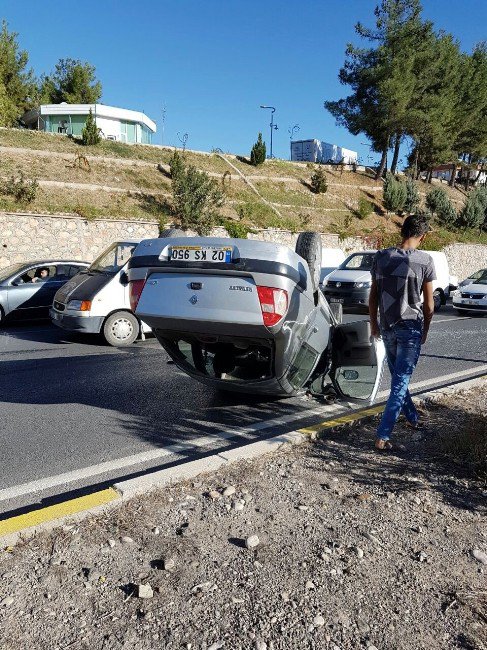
[353, 417]
[57, 511]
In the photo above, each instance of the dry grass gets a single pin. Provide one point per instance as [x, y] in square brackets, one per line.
[464, 440]
[286, 185]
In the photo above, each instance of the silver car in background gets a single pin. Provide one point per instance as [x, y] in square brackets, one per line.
[27, 289]
[248, 316]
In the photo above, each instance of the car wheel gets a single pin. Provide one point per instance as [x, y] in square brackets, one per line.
[121, 329]
[437, 300]
[336, 309]
[308, 246]
[2, 317]
[172, 232]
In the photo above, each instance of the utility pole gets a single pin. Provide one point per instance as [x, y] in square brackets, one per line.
[163, 123]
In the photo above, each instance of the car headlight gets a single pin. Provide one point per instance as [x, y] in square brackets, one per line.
[324, 283]
[362, 285]
[455, 293]
[79, 305]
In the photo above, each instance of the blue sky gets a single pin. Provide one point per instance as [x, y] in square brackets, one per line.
[212, 63]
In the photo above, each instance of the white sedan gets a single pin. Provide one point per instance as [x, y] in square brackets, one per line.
[472, 297]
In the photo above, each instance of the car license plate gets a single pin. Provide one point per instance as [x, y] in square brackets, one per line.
[469, 302]
[201, 254]
[340, 300]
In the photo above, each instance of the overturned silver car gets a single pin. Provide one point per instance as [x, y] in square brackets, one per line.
[248, 316]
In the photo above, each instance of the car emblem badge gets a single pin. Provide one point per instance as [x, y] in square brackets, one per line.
[193, 300]
[338, 284]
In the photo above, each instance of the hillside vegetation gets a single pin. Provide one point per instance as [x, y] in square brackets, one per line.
[123, 181]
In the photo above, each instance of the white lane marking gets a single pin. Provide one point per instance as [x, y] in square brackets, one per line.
[448, 320]
[145, 456]
[446, 378]
[154, 454]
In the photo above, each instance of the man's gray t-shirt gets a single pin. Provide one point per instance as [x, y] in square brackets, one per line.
[400, 275]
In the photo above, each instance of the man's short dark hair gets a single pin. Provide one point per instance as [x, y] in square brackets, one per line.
[415, 225]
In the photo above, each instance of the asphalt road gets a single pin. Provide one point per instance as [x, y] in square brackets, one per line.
[75, 412]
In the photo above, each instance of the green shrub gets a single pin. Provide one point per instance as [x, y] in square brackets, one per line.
[439, 204]
[318, 181]
[258, 153]
[22, 189]
[364, 208]
[412, 196]
[474, 212]
[437, 200]
[90, 134]
[394, 193]
[196, 196]
[236, 230]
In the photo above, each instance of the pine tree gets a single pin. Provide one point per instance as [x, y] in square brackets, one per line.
[90, 134]
[73, 82]
[258, 153]
[196, 196]
[394, 194]
[412, 196]
[318, 181]
[17, 86]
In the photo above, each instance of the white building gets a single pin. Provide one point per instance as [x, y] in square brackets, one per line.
[321, 152]
[114, 123]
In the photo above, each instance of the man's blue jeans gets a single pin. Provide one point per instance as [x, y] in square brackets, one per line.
[403, 346]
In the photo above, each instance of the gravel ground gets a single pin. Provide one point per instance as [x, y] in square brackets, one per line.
[356, 549]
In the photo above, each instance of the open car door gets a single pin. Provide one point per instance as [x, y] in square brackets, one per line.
[357, 361]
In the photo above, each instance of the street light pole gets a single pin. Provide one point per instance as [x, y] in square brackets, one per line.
[272, 125]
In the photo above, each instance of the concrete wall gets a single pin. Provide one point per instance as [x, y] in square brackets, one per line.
[25, 237]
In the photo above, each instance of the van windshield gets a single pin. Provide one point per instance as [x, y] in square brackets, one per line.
[358, 262]
[112, 260]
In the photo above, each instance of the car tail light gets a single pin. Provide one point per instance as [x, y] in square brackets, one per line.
[273, 303]
[135, 289]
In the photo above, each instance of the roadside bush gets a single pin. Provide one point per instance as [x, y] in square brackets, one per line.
[258, 152]
[474, 212]
[196, 196]
[22, 189]
[90, 135]
[318, 181]
[437, 200]
[412, 196]
[236, 230]
[365, 208]
[394, 193]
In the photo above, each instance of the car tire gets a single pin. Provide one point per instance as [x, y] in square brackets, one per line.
[172, 232]
[336, 309]
[308, 246]
[437, 300]
[121, 329]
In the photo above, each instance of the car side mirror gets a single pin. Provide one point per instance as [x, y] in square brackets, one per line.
[124, 278]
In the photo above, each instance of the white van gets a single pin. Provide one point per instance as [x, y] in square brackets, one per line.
[350, 284]
[97, 299]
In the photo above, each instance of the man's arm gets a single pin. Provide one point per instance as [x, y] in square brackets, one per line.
[373, 307]
[428, 308]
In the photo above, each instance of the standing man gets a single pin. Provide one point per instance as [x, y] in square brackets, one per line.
[399, 277]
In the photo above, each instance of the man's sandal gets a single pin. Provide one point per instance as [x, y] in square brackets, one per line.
[382, 445]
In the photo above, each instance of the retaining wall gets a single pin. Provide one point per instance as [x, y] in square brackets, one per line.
[25, 237]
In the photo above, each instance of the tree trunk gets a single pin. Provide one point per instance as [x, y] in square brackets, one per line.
[395, 157]
[382, 165]
[451, 182]
[430, 175]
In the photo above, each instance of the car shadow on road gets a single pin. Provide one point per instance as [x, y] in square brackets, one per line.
[449, 460]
